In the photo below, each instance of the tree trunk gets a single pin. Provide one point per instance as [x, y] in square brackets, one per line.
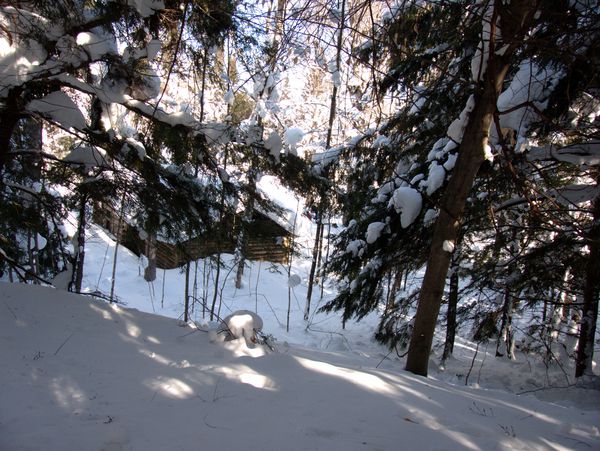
[505, 344]
[9, 117]
[589, 317]
[313, 266]
[242, 240]
[150, 270]
[186, 294]
[80, 251]
[451, 312]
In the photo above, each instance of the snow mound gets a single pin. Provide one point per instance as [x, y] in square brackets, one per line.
[241, 324]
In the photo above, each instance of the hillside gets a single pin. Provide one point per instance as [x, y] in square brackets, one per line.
[83, 374]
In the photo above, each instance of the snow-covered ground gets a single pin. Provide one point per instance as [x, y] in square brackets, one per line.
[82, 374]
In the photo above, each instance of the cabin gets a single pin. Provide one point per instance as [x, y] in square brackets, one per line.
[267, 240]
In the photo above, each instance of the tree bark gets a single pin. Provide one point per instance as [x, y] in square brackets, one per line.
[313, 266]
[451, 312]
[9, 117]
[80, 251]
[150, 270]
[589, 317]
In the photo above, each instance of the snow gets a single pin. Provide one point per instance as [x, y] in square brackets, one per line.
[436, 177]
[95, 45]
[146, 8]
[83, 374]
[457, 127]
[374, 231]
[241, 324]
[448, 246]
[531, 84]
[430, 216]
[153, 48]
[274, 145]
[450, 162]
[59, 107]
[87, 156]
[587, 153]
[408, 202]
[355, 247]
[292, 136]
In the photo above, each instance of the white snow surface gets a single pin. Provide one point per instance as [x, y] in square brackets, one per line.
[292, 136]
[374, 231]
[436, 177]
[408, 202]
[146, 8]
[59, 107]
[84, 374]
[79, 373]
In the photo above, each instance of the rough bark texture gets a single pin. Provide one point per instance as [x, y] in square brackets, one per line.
[313, 266]
[451, 312]
[80, 251]
[150, 270]
[514, 19]
[589, 317]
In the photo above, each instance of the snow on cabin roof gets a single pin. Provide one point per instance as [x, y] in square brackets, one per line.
[274, 191]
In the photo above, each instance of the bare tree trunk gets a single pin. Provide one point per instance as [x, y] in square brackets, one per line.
[313, 266]
[505, 342]
[515, 22]
[9, 117]
[80, 251]
[242, 240]
[451, 312]
[118, 238]
[150, 270]
[186, 293]
[589, 317]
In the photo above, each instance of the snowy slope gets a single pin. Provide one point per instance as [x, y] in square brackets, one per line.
[79, 374]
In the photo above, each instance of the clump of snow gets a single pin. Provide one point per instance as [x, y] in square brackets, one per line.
[374, 231]
[95, 45]
[137, 146]
[583, 154]
[448, 245]
[292, 136]
[60, 108]
[457, 127]
[274, 145]
[381, 141]
[450, 162]
[436, 177]
[531, 84]
[408, 202]
[355, 247]
[487, 153]
[241, 324]
[87, 156]
[430, 216]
